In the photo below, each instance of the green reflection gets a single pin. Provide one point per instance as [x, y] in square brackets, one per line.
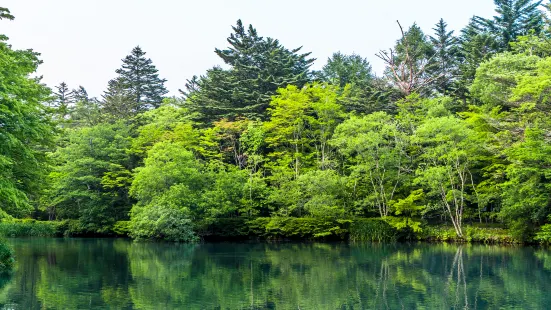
[118, 274]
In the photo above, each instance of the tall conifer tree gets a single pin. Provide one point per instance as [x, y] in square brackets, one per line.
[258, 67]
[514, 18]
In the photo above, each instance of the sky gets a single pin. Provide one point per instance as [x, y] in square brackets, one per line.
[82, 42]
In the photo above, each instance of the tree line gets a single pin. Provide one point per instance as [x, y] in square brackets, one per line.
[456, 130]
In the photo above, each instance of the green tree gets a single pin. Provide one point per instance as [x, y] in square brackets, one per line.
[445, 58]
[496, 78]
[344, 69]
[449, 153]
[118, 102]
[514, 18]
[86, 110]
[25, 131]
[92, 175]
[140, 78]
[376, 150]
[64, 99]
[258, 67]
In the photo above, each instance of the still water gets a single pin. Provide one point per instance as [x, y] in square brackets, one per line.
[119, 274]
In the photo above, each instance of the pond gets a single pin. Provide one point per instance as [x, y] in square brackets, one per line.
[120, 274]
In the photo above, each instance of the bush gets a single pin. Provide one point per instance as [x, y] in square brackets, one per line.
[306, 227]
[471, 234]
[29, 228]
[161, 223]
[273, 228]
[122, 228]
[544, 235]
[224, 228]
[372, 229]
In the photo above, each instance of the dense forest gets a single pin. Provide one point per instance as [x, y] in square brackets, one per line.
[455, 131]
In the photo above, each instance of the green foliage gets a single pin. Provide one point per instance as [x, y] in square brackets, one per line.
[497, 78]
[373, 230]
[514, 18]
[29, 228]
[25, 130]
[258, 67]
[480, 234]
[137, 88]
[455, 131]
[347, 69]
[161, 223]
[122, 228]
[91, 179]
[7, 257]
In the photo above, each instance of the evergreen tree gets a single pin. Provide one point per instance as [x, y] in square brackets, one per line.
[258, 67]
[139, 77]
[64, 98]
[86, 111]
[514, 18]
[445, 45]
[344, 69]
[475, 46]
[118, 101]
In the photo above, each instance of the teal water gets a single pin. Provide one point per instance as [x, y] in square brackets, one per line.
[119, 274]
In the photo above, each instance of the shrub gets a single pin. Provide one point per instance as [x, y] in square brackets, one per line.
[306, 227]
[372, 229]
[122, 228]
[544, 235]
[161, 223]
[471, 234]
[29, 228]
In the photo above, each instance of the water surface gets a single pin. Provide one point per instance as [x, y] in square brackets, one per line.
[119, 274]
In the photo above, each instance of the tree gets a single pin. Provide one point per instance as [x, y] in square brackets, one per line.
[526, 198]
[409, 64]
[139, 81]
[475, 46]
[64, 98]
[92, 175]
[445, 58]
[86, 110]
[514, 18]
[26, 131]
[376, 150]
[118, 102]
[258, 67]
[344, 69]
[301, 124]
[450, 151]
[496, 78]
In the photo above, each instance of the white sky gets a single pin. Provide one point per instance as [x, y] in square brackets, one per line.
[82, 42]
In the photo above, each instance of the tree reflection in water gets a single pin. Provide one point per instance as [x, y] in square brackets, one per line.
[106, 273]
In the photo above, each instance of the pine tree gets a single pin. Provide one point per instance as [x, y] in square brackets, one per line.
[475, 46]
[64, 98]
[258, 67]
[86, 110]
[140, 78]
[344, 69]
[118, 101]
[514, 18]
[445, 45]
